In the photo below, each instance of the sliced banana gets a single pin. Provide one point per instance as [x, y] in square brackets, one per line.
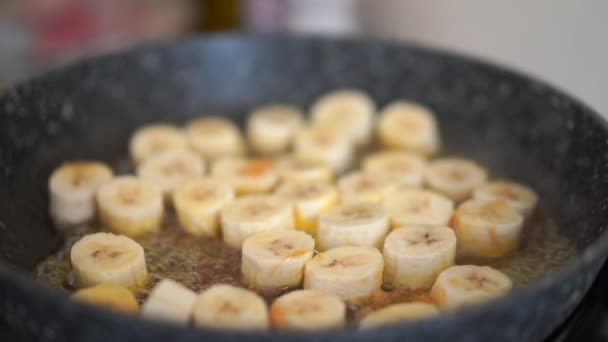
[108, 296]
[455, 177]
[107, 258]
[309, 199]
[293, 169]
[324, 144]
[72, 189]
[348, 108]
[414, 256]
[408, 207]
[169, 301]
[365, 187]
[130, 206]
[352, 224]
[409, 126]
[228, 307]
[397, 313]
[170, 169]
[271, 129]
[308, 310]
[198, 203]
[518, 196]
[275, 259]
[465, 285]
[487, 228]
[213, 137]
[246, 176]
[251, 214]
[152, 139]
[403, 168]
[351, 273]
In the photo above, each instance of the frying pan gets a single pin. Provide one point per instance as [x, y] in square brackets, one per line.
[519, 127]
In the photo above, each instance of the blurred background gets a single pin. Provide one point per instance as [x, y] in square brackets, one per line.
[561, 41]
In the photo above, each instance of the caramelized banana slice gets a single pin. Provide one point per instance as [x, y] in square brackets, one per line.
[170, 169]
[169, 301]
[293, 169]
[246, 176]
[309, 199]
[465, 285]
[271, 129]
[487, 229]
[365, 187]
[107, 258]
[409, 207]
[108, 296]
[308, 310]
[397, 313]
[517, 196]
[213, 137]
[150, 140]
[402, 168]
[455, 177]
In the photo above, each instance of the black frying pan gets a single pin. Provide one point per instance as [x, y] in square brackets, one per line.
[519, 127]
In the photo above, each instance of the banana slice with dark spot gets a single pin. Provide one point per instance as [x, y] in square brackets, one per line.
[170, 169]
[455, 177]
[403, 168]
[410, 207]
[365, 187]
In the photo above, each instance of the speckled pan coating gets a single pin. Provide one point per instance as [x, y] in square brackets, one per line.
[519, 127]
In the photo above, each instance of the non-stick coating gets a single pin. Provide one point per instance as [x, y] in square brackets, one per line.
[521, 128]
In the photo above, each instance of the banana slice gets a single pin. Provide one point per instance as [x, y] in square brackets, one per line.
[246, 176]
[198, 203]
[152, 139]
[170, 169]
[397, 313]
[348, 108]
[487, 228]
[309, 199]
[271, 129]
[293, 169]
[169, 301]
[308, 310]
[107, 258]
[403, 168]
[352, 224]
[72, 189]
[251, 214]
[275, 259]
[414, 256]
[213, 137]
[324, 144]
[465, 285]
[229, 307]
[108, 296]
[364, 187]
[518, 197]
[351, 273]
[409, 126]
[455, 177]
[409, 207]
[130, 206]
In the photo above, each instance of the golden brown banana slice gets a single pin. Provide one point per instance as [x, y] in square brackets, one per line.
[518, 196]
[348, 108]
[213, 137]
[169, 301]
[251, 214]
[352, 224]
[308, 310]
[229, 307]
[275, 259]
[170, 169]
[130, 206]
[293, 169]
[246, 176]
[107, 258]
[465, 285]
[351, 273]
[409, 126]
[364, 187]
[402, 168]
[487, 228]
[72, 189]
[309, 199]
[150, 140]
[409, 207]
[108, 296]
[414, 256]
[397, 313]
[271, 129]
[324, 144]
[198, 203]
[455, 177]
